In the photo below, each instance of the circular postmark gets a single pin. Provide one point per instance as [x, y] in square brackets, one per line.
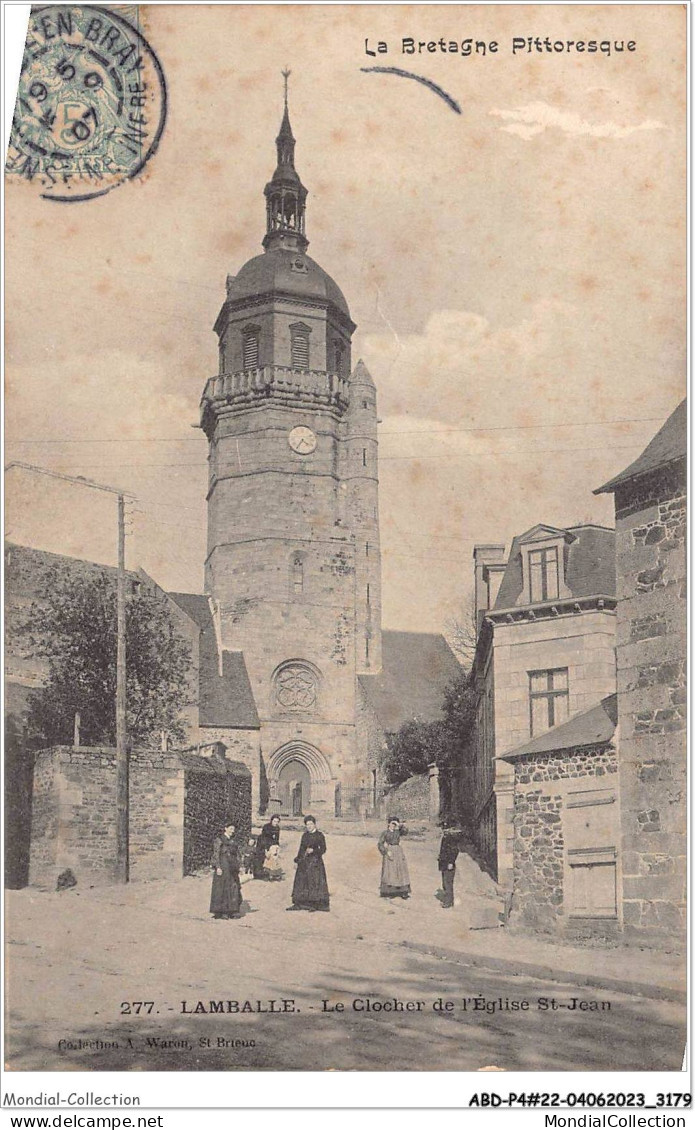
[91, 104]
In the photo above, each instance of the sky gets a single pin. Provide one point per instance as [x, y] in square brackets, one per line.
[516, 273]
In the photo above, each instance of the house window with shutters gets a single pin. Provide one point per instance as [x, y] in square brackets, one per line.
[549, 699]
[593, 892]
[299, 345]
[591, 830]
[250, 337]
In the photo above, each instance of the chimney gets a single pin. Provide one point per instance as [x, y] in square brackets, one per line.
[489, 562]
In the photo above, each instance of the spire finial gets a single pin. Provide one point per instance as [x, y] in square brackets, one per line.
[285, 194]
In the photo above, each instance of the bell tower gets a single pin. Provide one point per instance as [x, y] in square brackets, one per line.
[293, 567]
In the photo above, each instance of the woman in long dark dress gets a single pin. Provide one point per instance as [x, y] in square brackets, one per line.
[225, 899]
[310, 890]
[395, 880]
[269, 837]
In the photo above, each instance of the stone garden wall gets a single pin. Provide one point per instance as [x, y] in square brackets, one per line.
[177, 803]
[410, 800]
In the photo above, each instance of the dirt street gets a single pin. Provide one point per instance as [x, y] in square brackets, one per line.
[79, 960]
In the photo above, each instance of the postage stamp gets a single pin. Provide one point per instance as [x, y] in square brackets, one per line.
[91, 104]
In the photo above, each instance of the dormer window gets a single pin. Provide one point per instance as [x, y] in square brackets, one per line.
[299, 345]
[250, 337]
[544, 553]
[544, 574]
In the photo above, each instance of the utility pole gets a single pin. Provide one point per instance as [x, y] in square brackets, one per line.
[121, 871]
[122, 767]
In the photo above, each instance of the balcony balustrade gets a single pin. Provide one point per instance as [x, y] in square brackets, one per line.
[277, 382]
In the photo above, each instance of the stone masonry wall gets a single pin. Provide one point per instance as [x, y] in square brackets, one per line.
[410, 800]
[44, 816]
[540, 797]
[72, 815]
[651, 650]
[156, 814]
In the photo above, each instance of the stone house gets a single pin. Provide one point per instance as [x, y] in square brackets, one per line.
[545, 652]
[650, 516]
[566, 827]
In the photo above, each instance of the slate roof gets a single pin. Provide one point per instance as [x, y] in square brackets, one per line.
[226, 699]
[668, 445]
[592, 727]
[272, 273]
[416, 667]
[590, 569]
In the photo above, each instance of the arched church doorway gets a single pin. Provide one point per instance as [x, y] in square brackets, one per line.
[294, 788]
[299, 776]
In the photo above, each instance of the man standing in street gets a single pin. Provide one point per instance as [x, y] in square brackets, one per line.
[448, 852]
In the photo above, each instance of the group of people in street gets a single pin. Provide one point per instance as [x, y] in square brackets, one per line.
[310, 888]
[262, 859]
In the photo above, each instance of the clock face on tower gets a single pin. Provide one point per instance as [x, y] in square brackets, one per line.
[302, 440]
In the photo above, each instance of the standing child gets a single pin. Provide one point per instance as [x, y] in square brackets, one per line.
[268, 838]
[249, 855]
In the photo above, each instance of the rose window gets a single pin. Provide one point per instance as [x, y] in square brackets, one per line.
[295, 688]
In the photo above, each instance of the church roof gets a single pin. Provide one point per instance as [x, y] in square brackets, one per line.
[224, 700]
[668, 445]
[592, 727]
[590, 567]
[274, 273]
[416, 668]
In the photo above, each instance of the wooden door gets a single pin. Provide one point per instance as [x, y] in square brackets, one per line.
[297, 799]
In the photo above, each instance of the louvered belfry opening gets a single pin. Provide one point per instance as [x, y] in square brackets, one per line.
[250, 347]
[300, 346]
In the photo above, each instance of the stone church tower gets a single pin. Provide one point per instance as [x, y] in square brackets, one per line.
[293, 565]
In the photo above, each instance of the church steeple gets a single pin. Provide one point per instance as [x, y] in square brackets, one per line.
[285, 194]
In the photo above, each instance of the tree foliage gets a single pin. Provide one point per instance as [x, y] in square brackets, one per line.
[418, 744]
[73, 627]
[462, 635]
